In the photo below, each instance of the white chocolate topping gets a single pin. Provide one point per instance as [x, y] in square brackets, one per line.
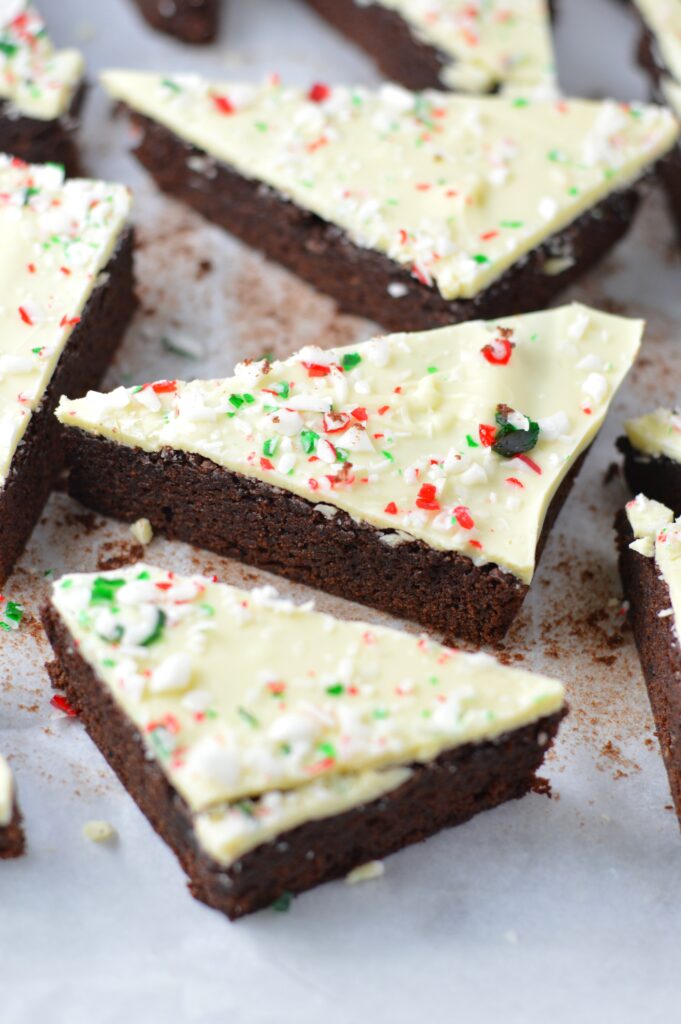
[56, 238]
[280, 712]
[658, 535]
[38, 80]
[401, 431]
[657, 433]
[453, 189]
[492, 43]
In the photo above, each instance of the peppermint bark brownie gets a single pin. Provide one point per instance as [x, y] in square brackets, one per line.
[474, 47]
[275, 748]
[66, 295]
[660, 56]
[41, 89]
[650, 565]
[416, 473]
[652, 456]
[416, 210]
[11, 834]
[190, 21]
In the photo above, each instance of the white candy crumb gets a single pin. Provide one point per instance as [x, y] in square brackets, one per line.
[142, 531]
[366, 872]
[99, 831]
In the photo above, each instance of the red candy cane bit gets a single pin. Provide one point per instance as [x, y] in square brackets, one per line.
[531, 463]
[224, 105]
[61, 704]
[464, 517]
[335, 422]
[318, 92]
[514, 481]
[317, 369]
[313, 484]
[25, 316]
[265, 463]
[476, 544]
[427, 498]
[360, 414]
[164, 386]
[499, 350]
[486, 433]
[67, 321]
[391, 508]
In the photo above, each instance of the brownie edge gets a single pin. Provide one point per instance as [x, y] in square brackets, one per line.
[40, 142]
[190, 21]
[192, 499]
[357, 278]
[656, 476]
[448, 791]
[658, 648]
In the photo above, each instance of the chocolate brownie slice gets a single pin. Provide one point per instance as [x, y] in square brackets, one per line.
[652, 456]
[452, 44]
[415, 210]
[659, 55]
[190, 21]
[416, 473]
[650, 559]
[275, 748]
[12, 841]
[41, 90]
[66, 296]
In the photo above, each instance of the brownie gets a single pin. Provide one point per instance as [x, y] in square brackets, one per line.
[387, 37]
[657, 476]
[40, 142]
[359, 278]
[190, 498]
[12, 841]
[40, 457]
[444, 792]
[190, 21]
[650, 59]
[658, 648]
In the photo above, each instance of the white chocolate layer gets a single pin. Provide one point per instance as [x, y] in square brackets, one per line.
[38, 80]
[6, 793]
[657, 433]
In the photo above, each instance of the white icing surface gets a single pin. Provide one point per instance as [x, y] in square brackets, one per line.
[656, 433]
[39, 81]
[6, 793]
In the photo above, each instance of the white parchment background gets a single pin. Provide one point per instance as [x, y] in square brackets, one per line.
[565, 909]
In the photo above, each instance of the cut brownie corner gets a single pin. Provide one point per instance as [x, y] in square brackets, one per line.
[190, 21]
[656, 476]
[657, 642]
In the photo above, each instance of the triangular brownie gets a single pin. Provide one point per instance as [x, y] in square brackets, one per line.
[274, 747]
[419, 473]
[469, 47]
[413, 209]
[41, 89]
[66, 295]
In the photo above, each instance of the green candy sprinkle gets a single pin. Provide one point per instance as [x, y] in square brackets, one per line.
[350, 360]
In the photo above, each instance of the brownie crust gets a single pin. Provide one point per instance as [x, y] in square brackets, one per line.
[448, 791]
[658, 649]
[190, 21]
[387, 38]
[357, 278]
[190, 498]
[656, 476]
[650, 59]
[41, 454]
[41, 142]
[12, 841]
